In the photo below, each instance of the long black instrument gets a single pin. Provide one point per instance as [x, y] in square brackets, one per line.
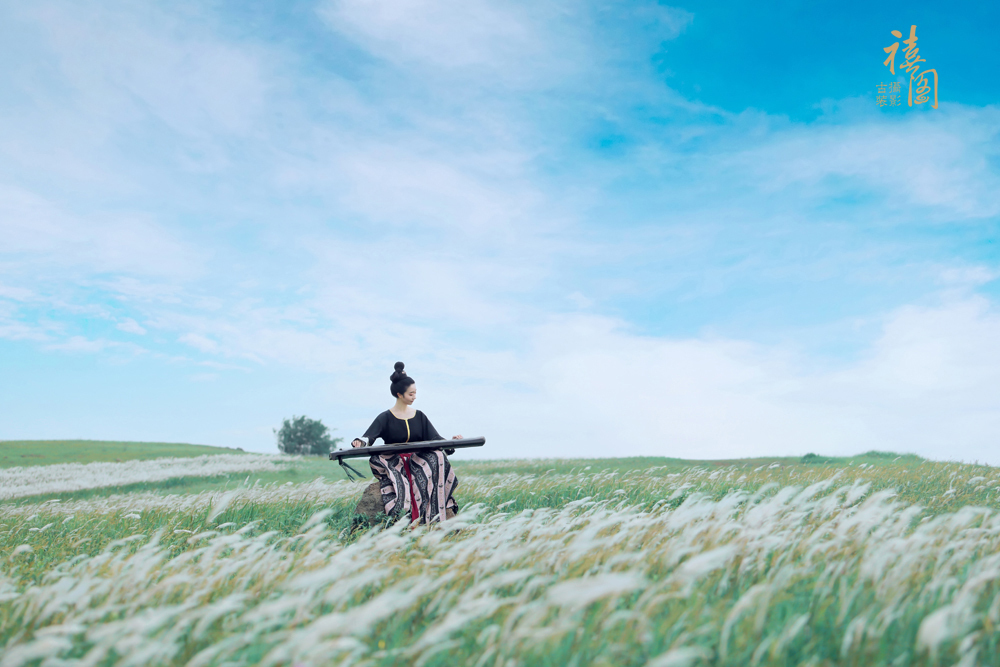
[339, 455]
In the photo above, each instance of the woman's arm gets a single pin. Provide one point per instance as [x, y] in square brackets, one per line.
[432, 433]
[373, 433]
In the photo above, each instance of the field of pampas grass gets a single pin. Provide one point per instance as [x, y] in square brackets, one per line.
[18, 482]
[861, 564]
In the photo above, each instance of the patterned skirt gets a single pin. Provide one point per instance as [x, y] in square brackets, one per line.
[417, 485]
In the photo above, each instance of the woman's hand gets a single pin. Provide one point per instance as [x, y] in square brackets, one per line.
[357, 442]
[456, 437]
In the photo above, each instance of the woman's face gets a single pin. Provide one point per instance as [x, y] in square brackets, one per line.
[410, 395]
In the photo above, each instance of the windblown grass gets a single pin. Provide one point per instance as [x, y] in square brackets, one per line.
[737, 565]
[69, 477]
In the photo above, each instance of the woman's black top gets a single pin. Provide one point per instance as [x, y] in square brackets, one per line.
[394, 430]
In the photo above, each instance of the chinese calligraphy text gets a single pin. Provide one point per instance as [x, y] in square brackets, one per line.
[888, 94]
[919, 81]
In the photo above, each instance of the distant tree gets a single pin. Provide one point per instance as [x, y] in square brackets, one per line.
[301, 435]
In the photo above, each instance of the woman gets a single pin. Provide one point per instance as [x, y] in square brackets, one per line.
[418, 484]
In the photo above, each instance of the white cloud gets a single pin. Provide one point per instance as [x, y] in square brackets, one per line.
[968, 276]
[15, 293]
[590, 388]
[37, 232]
[452, 191]
[585, 385]
[13, 330]
[129, 325]
[200, 342]
[928, 162]
[131, 61]
[515, 46]
[449, 34]
[81, 344]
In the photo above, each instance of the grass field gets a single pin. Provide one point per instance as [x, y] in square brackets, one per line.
[876, 560]
[48, 452]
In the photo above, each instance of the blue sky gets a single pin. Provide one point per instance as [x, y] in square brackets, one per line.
[587, 228]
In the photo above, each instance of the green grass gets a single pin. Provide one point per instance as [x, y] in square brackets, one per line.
[14, 453]
[298, 471]
[310, 468]
[45, 452]
[839, 577]
[537, 484]
[668, 465]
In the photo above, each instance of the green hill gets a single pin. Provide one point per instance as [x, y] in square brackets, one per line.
[46, 452]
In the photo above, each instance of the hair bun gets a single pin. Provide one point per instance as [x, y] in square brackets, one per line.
[399, 374]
